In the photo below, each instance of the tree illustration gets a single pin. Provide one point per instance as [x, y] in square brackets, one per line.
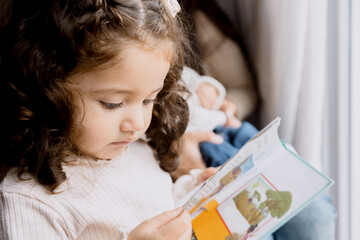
[256, 195]
[277, 203]
[238, 236]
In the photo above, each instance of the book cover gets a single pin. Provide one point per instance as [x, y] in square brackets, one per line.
[255, 192]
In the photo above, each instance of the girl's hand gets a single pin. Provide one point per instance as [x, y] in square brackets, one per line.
[207, 173]
[190, 156]
[170, 225]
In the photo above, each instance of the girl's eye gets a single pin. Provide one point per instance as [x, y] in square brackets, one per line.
[111, 105]
[149, 101]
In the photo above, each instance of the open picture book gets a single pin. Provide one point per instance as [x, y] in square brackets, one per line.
[255, 192]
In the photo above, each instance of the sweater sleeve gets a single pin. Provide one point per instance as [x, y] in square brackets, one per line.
[23, 218]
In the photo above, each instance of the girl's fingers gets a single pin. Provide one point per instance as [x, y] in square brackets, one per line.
[207, 173]
[177, 228]
[163, 219]
[200, 136]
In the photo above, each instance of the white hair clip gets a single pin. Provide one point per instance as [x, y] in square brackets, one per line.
[173, 6]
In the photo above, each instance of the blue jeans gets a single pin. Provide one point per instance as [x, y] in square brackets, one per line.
[315, 222]
[215, 155]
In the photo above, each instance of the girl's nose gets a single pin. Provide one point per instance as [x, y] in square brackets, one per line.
[134, 121]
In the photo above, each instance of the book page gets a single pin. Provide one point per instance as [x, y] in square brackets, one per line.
[250, 155]
[255, 192]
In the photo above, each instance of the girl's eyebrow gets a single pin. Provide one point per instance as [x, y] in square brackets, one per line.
[110, 90]
[120, 91]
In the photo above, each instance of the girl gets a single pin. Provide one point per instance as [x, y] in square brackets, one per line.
[81, 83]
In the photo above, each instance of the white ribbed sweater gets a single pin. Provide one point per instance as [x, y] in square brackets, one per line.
[98, 201]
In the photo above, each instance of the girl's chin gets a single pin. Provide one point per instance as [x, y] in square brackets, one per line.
[110, 154]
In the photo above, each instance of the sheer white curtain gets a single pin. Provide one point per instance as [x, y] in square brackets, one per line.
[307, 56]
[342, 129]
[287, 44]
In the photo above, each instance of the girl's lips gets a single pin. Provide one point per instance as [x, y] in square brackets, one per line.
[122, 143]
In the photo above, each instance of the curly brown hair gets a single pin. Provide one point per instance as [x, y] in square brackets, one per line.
[42, 43]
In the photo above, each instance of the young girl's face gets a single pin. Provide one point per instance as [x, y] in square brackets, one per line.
[116, 103]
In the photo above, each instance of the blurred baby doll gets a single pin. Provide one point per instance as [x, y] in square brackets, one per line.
[211, 111]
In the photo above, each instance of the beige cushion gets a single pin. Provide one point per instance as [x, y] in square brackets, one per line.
[223, 60]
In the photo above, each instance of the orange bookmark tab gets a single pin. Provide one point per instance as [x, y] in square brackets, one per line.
[208, 225]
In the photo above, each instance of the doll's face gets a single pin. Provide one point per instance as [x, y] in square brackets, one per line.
[116, 103]
[207, 95]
